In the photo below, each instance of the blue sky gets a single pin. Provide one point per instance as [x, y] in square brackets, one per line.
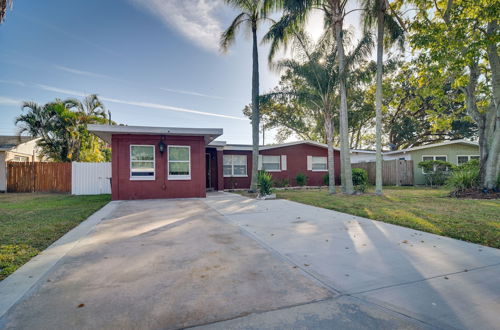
[152, 62]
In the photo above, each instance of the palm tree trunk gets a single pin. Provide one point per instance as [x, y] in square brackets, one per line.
[331, 159]
[344, 131]
[255, 111]
[378, 100]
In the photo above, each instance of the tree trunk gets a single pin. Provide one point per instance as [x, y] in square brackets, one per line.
[345, 159]
[255, 112]
[329, 130]
[378, 99]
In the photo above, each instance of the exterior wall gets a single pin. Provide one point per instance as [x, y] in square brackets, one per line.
[26, 149]
[161, 187]
[296, 163]
[451, 151]
[296, 156]
[403, 156]
[360, 157]
[238, 182]
[3, 172]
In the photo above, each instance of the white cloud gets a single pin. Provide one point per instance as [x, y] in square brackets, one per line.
[140, 104]
[195, 19]
[82, 72]
[9, 101]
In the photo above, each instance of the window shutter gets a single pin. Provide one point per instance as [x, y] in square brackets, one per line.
[309, 163]
[260, 163]
[283, 162]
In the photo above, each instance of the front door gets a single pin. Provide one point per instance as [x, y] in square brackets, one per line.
[208, 168]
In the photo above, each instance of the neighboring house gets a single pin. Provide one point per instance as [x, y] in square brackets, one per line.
[455, 152]
[362, 156]
[15, 149]
[162, 162]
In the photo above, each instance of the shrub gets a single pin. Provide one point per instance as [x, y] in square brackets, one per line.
[281, 183]
[465, 176]
[326, 179]
[436, 171]
[264, 183]
[301, 179]
[359, 179]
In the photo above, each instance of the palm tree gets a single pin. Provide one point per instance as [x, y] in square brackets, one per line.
[376, 13]
[4, 4]
[295, 15]
[319, 78]
[252, 14]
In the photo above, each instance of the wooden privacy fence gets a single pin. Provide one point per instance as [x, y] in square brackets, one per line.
[394, 172]
[38, 177]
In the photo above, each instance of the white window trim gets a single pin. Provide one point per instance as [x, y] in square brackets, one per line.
[142, 178]
[312, 163]
[173, 176]
[232, 167]
[468, 157]
[279, 162]
[434, 158]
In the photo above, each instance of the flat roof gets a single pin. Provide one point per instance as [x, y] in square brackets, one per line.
[106, 131]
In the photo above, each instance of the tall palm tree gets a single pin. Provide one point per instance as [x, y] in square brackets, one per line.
[295, 13]
[253, 12]
[376, 13]
[4, 4]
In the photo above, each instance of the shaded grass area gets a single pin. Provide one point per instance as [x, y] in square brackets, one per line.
[29, 223]
[421, 208]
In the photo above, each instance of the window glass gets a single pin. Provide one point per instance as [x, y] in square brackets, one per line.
[142, 162]
[427, 158]
[442, 158]
[463, 159]
[271, 163]
[235, 165]
[474, 157]
[179, 162]
[319, 163]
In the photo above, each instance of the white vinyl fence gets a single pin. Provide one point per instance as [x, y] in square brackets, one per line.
[90, 178]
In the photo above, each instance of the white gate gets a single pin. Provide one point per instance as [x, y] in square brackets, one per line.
[90, 178]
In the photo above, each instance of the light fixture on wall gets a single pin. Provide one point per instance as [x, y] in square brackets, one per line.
[161, 145]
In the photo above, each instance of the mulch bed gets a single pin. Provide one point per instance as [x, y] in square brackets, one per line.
[475, 194]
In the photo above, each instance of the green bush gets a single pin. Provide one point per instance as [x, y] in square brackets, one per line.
[436, 171]
[281, 183]
[359, 179]
[326, 179]
[301, 179]
[464, 176]
[265, 183]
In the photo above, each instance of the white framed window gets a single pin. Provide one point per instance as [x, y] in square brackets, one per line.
[20, 159]
[461, 159]
[179, 162]
[235, 165]
[443, 158]
[271, 163]
[142, 162]
[319, 164]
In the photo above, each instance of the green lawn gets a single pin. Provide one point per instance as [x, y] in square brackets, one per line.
[424, 209]
[29, 223]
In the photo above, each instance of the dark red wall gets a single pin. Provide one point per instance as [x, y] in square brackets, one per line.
[296, 159]
[238, 182]
[124, 188]
[296, 163]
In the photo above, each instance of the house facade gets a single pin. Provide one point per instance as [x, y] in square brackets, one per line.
[16, 149]
[162, 162]
[456, 152]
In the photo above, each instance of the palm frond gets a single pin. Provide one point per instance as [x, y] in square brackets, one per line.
[228, 37]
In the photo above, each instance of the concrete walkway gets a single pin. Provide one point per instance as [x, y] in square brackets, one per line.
[439, 281]
[170, 264]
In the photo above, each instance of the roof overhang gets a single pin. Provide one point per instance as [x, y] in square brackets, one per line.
[105, 132]
[433, 145]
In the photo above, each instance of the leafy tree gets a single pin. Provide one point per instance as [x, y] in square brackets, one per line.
[458, 41]
[380, 14]
[62, 128]
[252, 14]
[4, 4]
[295, 13]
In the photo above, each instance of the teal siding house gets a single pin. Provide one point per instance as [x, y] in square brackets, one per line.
[456, 152]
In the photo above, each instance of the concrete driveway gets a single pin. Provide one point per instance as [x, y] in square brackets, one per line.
[439, 281]
[228, 262]
[169, 264]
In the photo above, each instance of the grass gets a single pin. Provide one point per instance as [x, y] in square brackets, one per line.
[29, 223]
[425, 209]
